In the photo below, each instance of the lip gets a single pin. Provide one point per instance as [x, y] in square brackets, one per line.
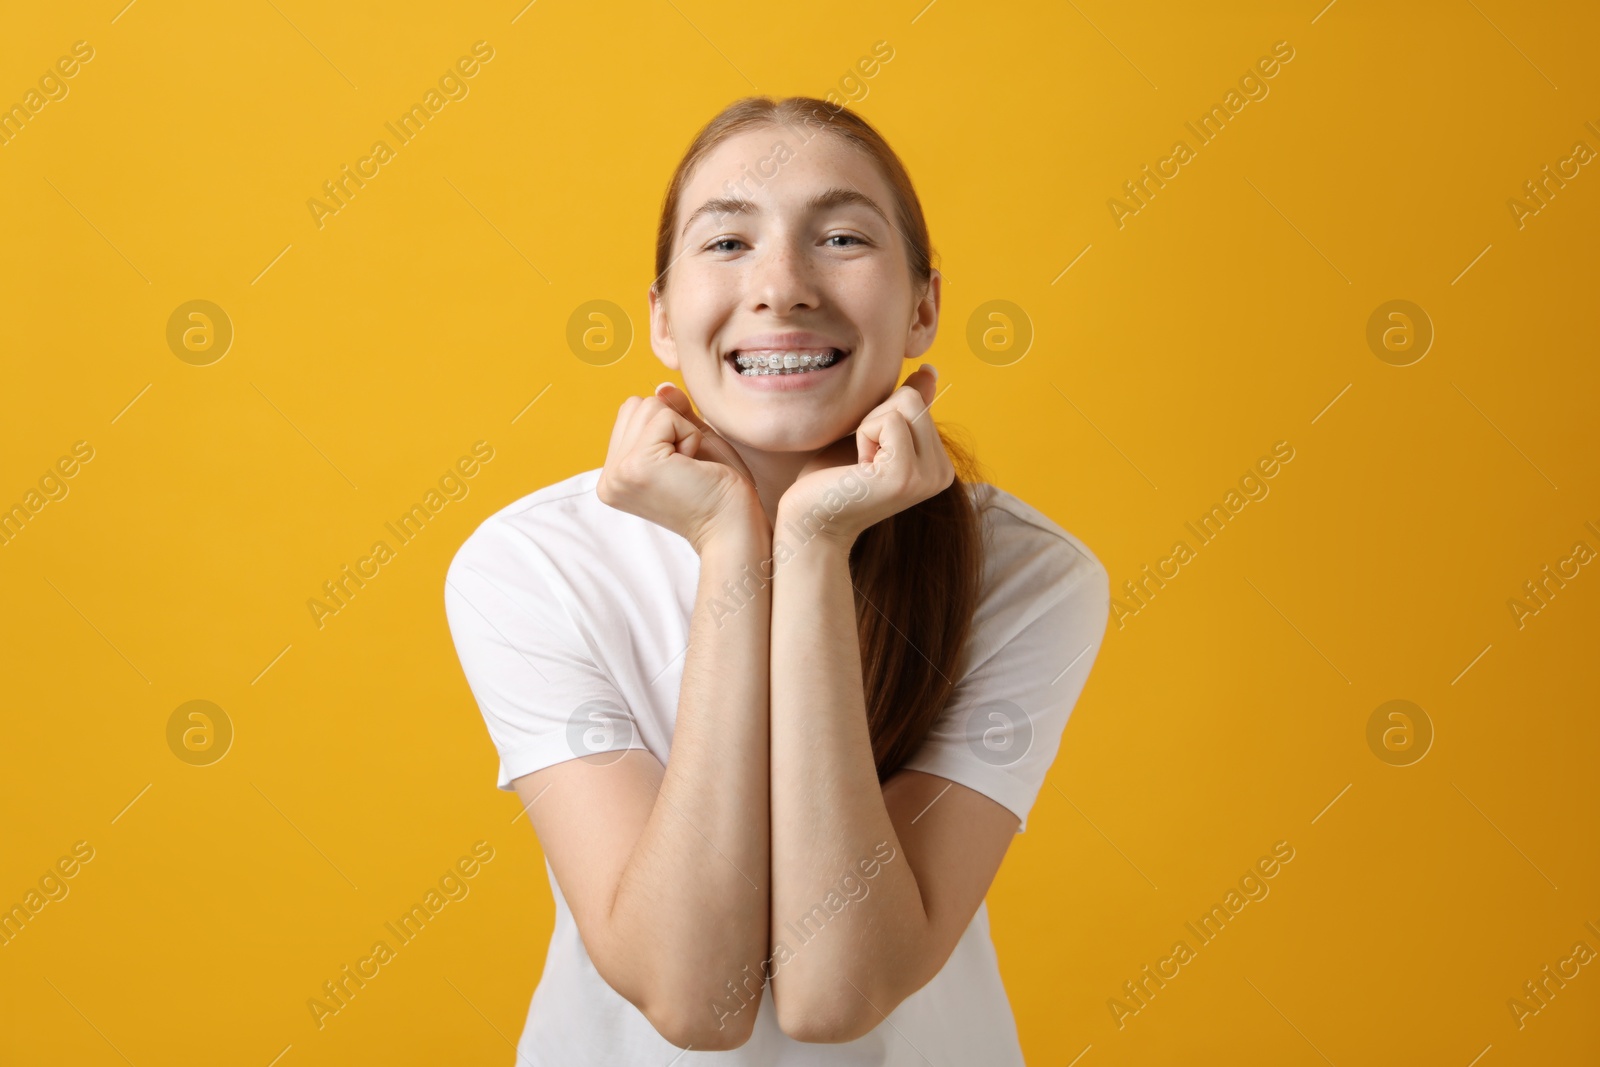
[788, 341]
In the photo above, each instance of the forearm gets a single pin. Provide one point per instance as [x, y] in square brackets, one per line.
[828, 811]
[693, 898]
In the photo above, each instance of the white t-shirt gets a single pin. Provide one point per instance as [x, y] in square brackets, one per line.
[571, 619]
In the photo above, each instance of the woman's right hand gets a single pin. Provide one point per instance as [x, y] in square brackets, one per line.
[665, 464]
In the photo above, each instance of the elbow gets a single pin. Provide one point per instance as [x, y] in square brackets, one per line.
[707, 1023]
[684, 1004]
[830, 1021]
[710, 1027]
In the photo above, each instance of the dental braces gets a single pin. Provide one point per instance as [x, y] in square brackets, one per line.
[783, 363]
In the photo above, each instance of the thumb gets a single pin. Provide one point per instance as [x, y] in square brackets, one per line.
[678, 401]
[924, 380]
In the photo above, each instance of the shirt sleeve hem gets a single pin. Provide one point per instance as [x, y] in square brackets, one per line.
[993, 783]
[545, 753]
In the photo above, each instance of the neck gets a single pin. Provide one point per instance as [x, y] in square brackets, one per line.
[775, 472]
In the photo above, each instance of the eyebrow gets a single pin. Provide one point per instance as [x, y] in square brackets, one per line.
[830, 198]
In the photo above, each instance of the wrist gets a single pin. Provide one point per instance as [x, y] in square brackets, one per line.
[811, 534]
[746, 535]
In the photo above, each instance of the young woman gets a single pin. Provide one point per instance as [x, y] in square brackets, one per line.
[776, 687]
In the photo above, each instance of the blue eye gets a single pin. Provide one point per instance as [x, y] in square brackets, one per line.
[717, 245]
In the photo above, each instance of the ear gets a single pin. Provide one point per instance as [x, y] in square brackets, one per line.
[661, 342]
[925, 318]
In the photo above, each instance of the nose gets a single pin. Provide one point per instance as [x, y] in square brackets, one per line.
[783, 280]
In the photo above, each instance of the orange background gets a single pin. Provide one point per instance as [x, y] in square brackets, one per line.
[1229, 313]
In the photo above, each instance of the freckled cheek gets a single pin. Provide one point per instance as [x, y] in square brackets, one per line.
[707, 288]
[870, 313]
[699, 306]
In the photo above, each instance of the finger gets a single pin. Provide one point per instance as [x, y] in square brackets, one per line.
[871, 426]
[913, 396]
[906, 404]
[646, 409]
[621, 430]
[925, 380]
[678, 401]
[895, 449]
[652, 423]
[926, 433]
[718, 447]
[666, 427]
[872, 437]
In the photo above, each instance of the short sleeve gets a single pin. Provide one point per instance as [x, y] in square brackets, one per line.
[1036, 633]
[543, 697]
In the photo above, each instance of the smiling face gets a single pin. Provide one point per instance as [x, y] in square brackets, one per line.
[804, 262]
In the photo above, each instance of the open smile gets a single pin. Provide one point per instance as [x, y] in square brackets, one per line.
[785, 370]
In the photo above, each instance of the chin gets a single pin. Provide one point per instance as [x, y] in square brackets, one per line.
[765, 437]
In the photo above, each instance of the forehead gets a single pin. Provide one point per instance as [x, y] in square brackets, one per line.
[776, 165]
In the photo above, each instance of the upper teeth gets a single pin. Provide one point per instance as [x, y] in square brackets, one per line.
[784, 362]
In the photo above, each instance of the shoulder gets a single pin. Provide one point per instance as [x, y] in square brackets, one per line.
[543, 516]
[563, 525]
[1029, 556]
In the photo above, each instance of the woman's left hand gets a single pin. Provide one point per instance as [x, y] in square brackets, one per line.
[901, 461]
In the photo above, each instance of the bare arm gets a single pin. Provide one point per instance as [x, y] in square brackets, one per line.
[893, 873]
[900, 917]
[665, 870]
